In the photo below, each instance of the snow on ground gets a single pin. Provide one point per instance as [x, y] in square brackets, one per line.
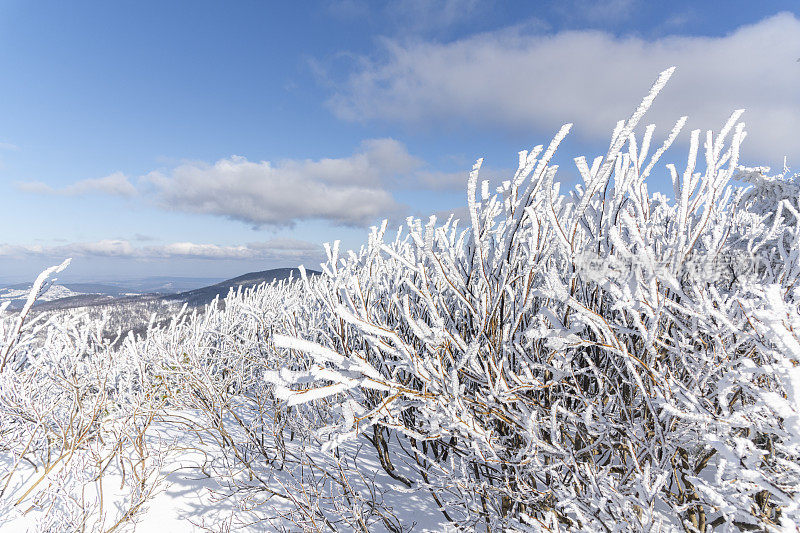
[187, 496]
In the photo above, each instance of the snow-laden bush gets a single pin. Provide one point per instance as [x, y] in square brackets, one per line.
[71, 409]
[599, 360]
[90, 426]
[602, 360]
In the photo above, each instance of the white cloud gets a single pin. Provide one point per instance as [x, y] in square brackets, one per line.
[115, 184]
[458, 213]
[604, 11]
[432, 14]
[351, 191]
[346, 191]
[287, 250]
[678, 20]
[437, 180]
[204, 251]
[455, 181]
[9, 146]
[347, 8]
[104, 248]
[289, 245]
[411, 15]
[517, 80]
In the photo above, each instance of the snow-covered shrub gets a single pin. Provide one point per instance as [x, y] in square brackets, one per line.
[71, 409]
[215, 366]
[529, 389]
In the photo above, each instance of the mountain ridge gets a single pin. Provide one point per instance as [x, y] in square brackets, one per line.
[114, 294]
[206, 295]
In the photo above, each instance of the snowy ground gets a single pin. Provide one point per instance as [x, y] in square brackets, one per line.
[185, 496]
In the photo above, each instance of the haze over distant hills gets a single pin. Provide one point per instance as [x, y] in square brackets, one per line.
[194, 291]
[163, 284]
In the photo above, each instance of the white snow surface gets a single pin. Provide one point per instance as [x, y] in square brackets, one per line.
[185, 497]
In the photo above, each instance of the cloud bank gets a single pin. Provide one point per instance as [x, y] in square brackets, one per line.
[513, 79]
[349, 191]
[116, 184]
[288, 250]
[411, 16]
[356, 190]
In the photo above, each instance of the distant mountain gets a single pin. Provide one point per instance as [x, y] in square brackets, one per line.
[206, 295]
[72, 295]
[82, 300]
[17, 294]
[20, 292]
[165, 284]
[101, 288]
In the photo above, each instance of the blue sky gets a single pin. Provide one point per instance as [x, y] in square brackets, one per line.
[215, 138]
